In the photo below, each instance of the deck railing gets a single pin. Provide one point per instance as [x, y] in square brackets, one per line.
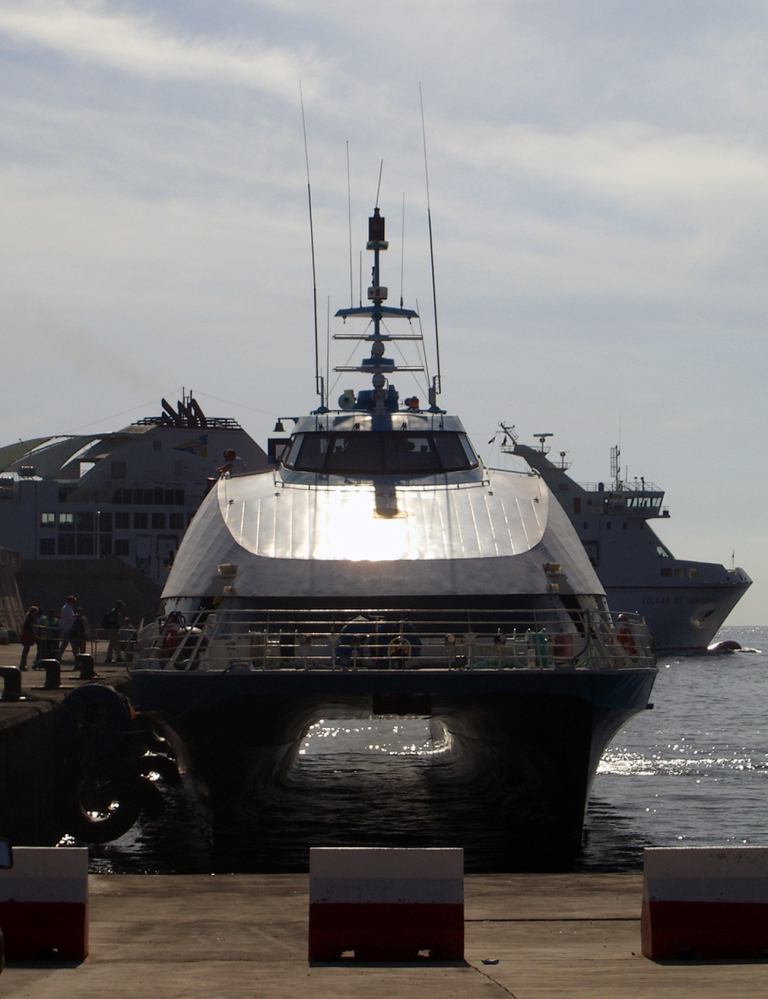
[357, 638]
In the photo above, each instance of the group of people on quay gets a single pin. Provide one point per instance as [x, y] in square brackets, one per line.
[51, 633]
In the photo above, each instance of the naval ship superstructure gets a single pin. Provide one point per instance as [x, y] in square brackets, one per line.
[683, 602]
[380, 569]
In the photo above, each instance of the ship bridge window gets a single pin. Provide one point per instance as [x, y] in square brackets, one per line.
[662, 552]
[374, 453]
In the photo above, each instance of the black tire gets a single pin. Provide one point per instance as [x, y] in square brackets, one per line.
[100, 810]
[95, 713]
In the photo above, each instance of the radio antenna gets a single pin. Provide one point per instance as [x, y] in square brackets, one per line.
[402, 251]
[318, 385]
[327, 351]
[436, 387]
[378, 186]
[349, 215]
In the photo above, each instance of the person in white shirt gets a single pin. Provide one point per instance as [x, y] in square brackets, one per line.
[66, 619]
[232, 463]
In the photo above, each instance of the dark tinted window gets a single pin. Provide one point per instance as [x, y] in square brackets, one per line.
[404, 452]
[450, 450]
[313, 451]
[373, 453]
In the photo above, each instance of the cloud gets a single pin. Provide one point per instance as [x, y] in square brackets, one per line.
[87, 31]
[629, 161]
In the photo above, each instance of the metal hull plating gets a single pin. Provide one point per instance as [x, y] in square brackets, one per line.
[681, 619]
[527, 741]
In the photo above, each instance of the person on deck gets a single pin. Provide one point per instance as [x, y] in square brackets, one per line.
[232, 463]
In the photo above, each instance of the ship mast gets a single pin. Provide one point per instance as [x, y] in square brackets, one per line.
[377, 365]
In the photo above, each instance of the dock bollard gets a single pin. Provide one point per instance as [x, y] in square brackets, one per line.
[700, 902]
[386, 904]
[44, 903]
[11, 677]
[84, 662]
[52, 669]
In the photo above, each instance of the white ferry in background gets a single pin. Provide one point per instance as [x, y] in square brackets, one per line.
[684, 603]
[103, 514]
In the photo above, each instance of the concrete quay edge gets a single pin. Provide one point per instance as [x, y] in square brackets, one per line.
[573, 935]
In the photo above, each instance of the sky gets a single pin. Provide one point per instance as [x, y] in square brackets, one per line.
[598, 173]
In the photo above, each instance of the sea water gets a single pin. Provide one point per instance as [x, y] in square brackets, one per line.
[692, 771]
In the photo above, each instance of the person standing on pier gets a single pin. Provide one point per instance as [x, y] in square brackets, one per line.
[111, 624]
[28, 634]
[48, 635]
[79, 633]
[66, 619]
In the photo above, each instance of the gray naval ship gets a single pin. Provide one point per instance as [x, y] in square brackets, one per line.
[684, 603]
[378, 568]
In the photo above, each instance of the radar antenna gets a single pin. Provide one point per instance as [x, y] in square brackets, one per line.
[616, 467]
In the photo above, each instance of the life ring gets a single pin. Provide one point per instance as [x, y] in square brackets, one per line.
[624, 635]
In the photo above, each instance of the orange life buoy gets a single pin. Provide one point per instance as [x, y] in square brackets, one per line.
[624, 635]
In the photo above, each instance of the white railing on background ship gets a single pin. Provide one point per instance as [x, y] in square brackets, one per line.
[357, 638]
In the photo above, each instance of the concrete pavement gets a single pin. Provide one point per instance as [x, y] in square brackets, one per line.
[168, 937]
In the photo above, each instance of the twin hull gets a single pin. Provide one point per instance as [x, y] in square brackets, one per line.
[526, 742]
[478, 557]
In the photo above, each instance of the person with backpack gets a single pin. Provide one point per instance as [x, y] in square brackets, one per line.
[111, 624]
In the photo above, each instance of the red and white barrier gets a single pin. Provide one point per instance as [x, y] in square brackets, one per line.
[703, 902]
[386, 904]
[44, 903]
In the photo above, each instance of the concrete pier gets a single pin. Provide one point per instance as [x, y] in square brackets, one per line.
[30, 772]
[218, 936]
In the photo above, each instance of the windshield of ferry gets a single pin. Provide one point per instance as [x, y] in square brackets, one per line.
[381, 453]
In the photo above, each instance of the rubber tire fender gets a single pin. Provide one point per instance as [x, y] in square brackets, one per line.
[97, 713]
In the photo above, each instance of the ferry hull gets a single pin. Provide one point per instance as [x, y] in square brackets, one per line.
[526, 742]
[681, 619]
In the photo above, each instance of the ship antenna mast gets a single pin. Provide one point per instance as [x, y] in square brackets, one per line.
[436, 387]
[616, 467]
[318, 378]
